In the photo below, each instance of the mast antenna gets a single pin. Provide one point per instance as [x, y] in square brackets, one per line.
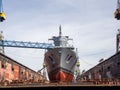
[60, 32]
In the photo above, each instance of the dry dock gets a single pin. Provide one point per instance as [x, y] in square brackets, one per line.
[56, 86]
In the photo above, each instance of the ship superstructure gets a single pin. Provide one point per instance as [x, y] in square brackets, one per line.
[61, 59]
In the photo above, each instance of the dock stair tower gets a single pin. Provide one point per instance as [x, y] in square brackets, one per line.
[118, 41]
[1, 39]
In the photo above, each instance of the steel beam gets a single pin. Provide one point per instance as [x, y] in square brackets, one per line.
[21, 44]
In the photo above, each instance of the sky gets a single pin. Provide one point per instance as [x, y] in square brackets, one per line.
[90, 23]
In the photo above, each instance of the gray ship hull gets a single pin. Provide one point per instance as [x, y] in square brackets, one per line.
[60, 64]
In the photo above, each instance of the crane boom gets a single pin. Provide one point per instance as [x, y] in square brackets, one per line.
[21, 44]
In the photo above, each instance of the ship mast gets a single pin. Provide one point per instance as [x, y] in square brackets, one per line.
[60, 32]
[61, 41]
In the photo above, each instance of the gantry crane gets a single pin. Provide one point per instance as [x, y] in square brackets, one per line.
[117, 12]
[2, 14]
[22, 44]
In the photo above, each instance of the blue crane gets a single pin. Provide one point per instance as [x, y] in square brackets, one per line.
[21, 44]
[2, 14]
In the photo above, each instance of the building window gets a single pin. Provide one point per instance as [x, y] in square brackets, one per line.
[108, 67]
[118, 64]
[3, 64]
[12, 67]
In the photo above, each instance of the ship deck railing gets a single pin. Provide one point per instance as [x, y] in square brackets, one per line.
[64, 47]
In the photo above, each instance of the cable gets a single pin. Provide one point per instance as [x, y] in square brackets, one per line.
[1, 6]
